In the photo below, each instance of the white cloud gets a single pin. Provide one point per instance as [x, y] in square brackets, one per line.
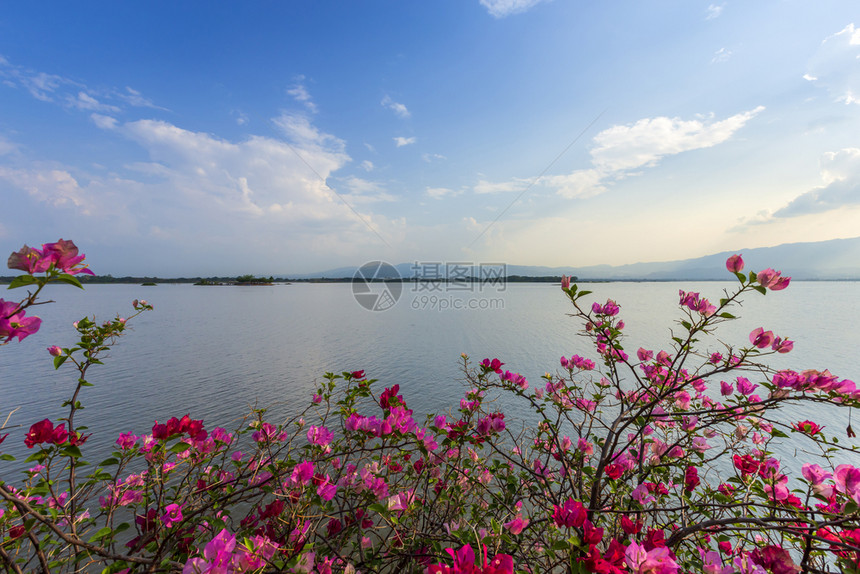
[84, 101]
[103, 122]
[645, 142]
[431, 157]
[440, 192]
[503, 8]
[401, 141]
[134, 98]
[367, 165]
[582, 183]
[484, 186]
[714, 11]
[836, 65]
[396, 107]
[721, 55]
[300, 93]
[621, 149]
[299, 128]
[54, 186]
[840, 174]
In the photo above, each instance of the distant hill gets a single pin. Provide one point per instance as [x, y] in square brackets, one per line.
[822, 260]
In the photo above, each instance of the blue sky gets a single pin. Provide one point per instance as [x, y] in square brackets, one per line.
[218, 138]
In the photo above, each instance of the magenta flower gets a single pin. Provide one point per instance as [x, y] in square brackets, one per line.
[772, 280]
[517, 525]
[55, 351]
[172, 515]
[761, 338]
[781, 345]
[302, 473]
[565, 282]
[847, 479]
[658, 560]
[319, 435]
[571, 515]
[13, 322]
[735, 263]
[64, 255]
[39, 433]
[815, 474]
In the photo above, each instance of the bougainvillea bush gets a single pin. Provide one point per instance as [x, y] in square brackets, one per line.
[656, 460]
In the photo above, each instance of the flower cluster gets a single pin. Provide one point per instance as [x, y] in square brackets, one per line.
[658, 463]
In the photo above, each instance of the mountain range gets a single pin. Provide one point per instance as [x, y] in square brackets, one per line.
[821, 260]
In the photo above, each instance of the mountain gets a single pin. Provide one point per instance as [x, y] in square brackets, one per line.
[824, 260]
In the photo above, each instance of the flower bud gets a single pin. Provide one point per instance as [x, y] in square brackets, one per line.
[55, 351]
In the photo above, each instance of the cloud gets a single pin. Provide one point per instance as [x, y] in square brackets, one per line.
[367, 165]
[54, 186]
[721, 55]
[300, 93]
[431, 157]
[840, 172]
[103, 122]
[620, 149]
[440, 192]
[582, 183]
[55, 88]
[645, 142]
[299, 129]
[488, 187]
[503, 8]
[836, 65]
[84, 101]
[401, 141]
[396, 107]
[134, 98]
[714, 11]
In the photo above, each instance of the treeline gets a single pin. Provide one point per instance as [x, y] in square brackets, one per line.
[100, 279]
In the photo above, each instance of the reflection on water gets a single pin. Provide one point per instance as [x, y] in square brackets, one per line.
[215, 351]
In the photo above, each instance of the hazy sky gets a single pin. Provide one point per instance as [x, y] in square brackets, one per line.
[217, 138]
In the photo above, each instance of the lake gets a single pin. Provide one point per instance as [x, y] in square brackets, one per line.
[215, 351]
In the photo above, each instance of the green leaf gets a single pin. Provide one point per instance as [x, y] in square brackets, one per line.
[778, 433]
[72, 451]
[22, 280]
[100, 534]
[70, 279]
[180, 447]
[727, 316]
[60, 360]
[109, 462]
[6, 457]
[760, 289]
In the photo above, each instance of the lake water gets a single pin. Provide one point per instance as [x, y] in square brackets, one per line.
[214, 351]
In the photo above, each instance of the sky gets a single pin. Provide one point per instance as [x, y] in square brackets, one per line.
[219, 138]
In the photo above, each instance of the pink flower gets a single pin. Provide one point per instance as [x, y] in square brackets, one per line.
[55, 351]
[64, 255]
[815, 474]
[726, 388]
[658, 560]
[745, 387]
[771, 280]
[302, 473]
[172, 515]
[126, 441]
[319, 435]
[517, 525]
[781, 345]
[807, 427]
[761, 338]
[13, 322]
[847, 479]
[565, 282]
[735, 263]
